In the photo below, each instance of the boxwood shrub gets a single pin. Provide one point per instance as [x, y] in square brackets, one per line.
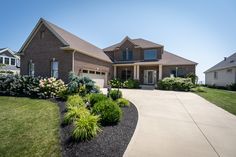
[115, 94]
[175, 83]
[110, 113]
[94, 98]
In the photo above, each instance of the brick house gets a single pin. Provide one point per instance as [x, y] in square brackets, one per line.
[146, 61]
[51, 51]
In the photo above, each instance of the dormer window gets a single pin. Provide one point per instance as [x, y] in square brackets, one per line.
[150, 54]
[127, 54]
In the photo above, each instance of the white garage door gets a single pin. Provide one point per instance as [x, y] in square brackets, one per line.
[97, 77]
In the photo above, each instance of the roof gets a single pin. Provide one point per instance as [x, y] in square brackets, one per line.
[142, 43]
[13, 53]
[167, 59]
[226, 63]
[71, 41]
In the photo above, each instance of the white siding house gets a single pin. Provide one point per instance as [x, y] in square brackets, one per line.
[10, 60]
[223, 73]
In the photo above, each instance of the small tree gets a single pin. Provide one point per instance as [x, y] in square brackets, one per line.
[193, 77]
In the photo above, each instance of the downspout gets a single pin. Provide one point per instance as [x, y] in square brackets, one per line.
[73, 61]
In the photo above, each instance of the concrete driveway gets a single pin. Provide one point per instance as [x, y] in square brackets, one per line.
[180, 124]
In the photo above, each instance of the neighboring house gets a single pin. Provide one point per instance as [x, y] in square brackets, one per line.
[52, 51]
[223, 73]
[146, 61]
[10, 61]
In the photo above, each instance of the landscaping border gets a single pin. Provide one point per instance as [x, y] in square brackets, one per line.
[112, 141]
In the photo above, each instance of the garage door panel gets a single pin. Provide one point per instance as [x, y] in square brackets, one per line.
[98, 79]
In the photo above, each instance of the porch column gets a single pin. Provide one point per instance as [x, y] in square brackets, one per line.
[160, 72]
[114, 71]
[137, 72]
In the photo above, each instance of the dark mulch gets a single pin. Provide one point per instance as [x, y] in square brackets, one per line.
[111, 142]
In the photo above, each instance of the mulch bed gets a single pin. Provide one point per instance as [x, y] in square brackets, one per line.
[111, 142]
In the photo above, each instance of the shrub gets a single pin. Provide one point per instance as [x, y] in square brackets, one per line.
[74, 101]
[178, 84]
[86, 127]
[193, 78]
[110, 113]
[198, 89]
[123, 102]
[74, 113]
[131, 84]
[75, 82]
[17, 85]
[50, 87]
[115, 94]
[115, 83]
[232, 87]
[94, 98]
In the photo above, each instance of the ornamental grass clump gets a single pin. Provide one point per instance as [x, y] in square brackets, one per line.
[74, 101]
[86, 127]
[75, 113]
[122, 102]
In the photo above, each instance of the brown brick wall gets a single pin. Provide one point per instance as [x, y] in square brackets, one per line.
[138, 53]
[141, 72]
[85, 62]
[121, 68]
[166, 70]
[41, 51]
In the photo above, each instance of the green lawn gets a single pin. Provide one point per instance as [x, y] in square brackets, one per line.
[222, 98]
[28, 127]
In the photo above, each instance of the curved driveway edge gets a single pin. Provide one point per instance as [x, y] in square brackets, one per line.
[178, 124]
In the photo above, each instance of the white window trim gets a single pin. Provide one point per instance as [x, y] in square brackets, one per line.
[4, 57]
[52, 70]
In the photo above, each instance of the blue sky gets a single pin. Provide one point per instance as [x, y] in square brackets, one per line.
[202, 30]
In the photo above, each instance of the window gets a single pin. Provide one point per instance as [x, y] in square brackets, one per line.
[1, 60]
[85, 71]
[229, 70]
[6, 61]
[97, 72]
[126, 74]
[127, 54]
[150, 54]
[103, 73]
[54, 69]
[215, 75]
[31, 69]
[92, 72]
[13, 61]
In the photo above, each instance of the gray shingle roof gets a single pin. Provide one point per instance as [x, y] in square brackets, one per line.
[70, 41]
[142, 43]
[79, 44]
[227, 63]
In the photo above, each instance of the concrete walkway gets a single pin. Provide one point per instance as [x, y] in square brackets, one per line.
[180, 124]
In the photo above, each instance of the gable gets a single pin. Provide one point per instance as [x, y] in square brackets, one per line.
[6, 53]
[43, 40]
[127, 44]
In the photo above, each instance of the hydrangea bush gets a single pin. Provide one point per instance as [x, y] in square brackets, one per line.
[50, 87]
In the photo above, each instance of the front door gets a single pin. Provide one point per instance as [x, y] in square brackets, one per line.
[149, 76]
